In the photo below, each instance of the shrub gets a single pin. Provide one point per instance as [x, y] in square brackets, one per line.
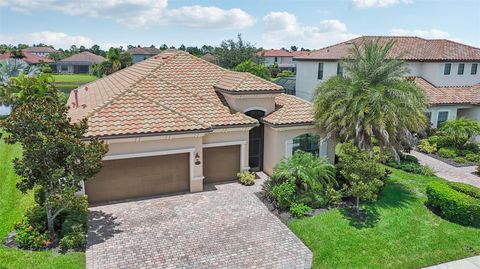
[36, 216]
[447, 153]
[76, 217]
[332, 196]
[284, 194]
[460, 160]
[74, 241]
[473, 147]
[299, 210]
[426, 147]
[472, 157]
[465, 188]
[459, 131]
[29, 236]
[363, 177]
[302, 178]
[427, 171]
[453, 205]
[246, 178]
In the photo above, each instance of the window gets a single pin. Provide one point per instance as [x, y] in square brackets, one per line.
[64, 68]
[307, 143]
[428, 115]
[461, 68]
[320, 70]
[276, 59]
[473, 71]
[442, 117]
[446, 70]
[339, 70]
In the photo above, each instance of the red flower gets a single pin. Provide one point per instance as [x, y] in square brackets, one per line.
[30, 227]
[48, 243]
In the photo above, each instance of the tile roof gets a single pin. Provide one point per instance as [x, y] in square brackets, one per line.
[299, 53]
[274, 53]
[30, 58]
[290, 110]
[144, 50]
[40, 49]
[407, 47]
[173, 92]
[84, 56]
[245, 82]
[449, 95]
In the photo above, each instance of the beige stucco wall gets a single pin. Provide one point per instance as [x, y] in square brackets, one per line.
[277, 144]
[246, 102]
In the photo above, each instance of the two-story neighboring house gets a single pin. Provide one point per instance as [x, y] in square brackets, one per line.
[40, 51]
[283, 58]
[446, 70]
[139, 54]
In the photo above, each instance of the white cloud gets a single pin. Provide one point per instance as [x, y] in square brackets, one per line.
[56, 39]
[432, 33]
[282, 29]
[378, 3]
[135, 13]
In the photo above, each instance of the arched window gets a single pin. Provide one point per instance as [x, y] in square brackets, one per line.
[308, 143]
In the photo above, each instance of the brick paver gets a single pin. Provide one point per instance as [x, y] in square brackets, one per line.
[452, 173]
[224, 228]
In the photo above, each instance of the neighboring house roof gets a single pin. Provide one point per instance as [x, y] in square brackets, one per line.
[209, 57]
[449, 95]
[40, 49]
[84, 57]
[144, 51]
[30, 58]
[406, 47]
[299, 53]
[172, 92]
[274, 53]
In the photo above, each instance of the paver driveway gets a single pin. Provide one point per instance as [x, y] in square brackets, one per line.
[224, 228]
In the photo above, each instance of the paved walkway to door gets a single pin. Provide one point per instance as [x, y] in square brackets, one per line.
[446, 171]
[468, 263]
[228, 227]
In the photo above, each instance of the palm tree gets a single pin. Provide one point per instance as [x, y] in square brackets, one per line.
[373, 103]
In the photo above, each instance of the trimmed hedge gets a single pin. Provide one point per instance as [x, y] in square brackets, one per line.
[454, 202]
[466, 188]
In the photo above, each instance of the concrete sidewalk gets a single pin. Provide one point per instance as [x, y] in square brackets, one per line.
[468, 263]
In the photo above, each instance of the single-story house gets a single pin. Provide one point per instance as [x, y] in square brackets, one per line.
[40, 51]
[174, 122]
[80, 63]
[139, 54]
[29, 58]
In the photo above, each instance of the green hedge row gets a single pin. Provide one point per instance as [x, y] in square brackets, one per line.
[456, 202]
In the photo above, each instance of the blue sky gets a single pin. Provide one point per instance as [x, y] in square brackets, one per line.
[268, 23]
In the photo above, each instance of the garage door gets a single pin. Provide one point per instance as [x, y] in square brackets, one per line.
[139, 177]
[221, 163]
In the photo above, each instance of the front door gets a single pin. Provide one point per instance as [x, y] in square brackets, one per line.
[255, 150]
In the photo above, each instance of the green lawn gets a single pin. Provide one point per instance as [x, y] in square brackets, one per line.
[404, 235]
[66, 83]
[12, 207]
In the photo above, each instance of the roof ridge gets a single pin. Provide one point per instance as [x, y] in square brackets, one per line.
[127, 89]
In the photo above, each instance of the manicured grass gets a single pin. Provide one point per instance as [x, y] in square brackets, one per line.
[403, 233]
[66, 83]
[12, 206]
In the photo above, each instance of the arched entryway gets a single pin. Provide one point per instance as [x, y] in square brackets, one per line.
[255, 149]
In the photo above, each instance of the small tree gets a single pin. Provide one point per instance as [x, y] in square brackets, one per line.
[460, 131]
[54, 156]
[362, 174]
[233, 52]
[256, 69]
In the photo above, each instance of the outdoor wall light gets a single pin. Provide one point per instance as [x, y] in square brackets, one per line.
[197, 159]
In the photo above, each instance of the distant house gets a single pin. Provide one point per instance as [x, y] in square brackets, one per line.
[139, 54]
[209, 58]
[40, 51]
[80, 63]
[29, 58]
[281, 57]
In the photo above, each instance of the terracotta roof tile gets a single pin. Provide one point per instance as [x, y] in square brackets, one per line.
[449, 95]
[84, 56]
[274, 53]
[407, 47]
[243, 82]
[144, 50]
[290, 110]
[30, 58]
